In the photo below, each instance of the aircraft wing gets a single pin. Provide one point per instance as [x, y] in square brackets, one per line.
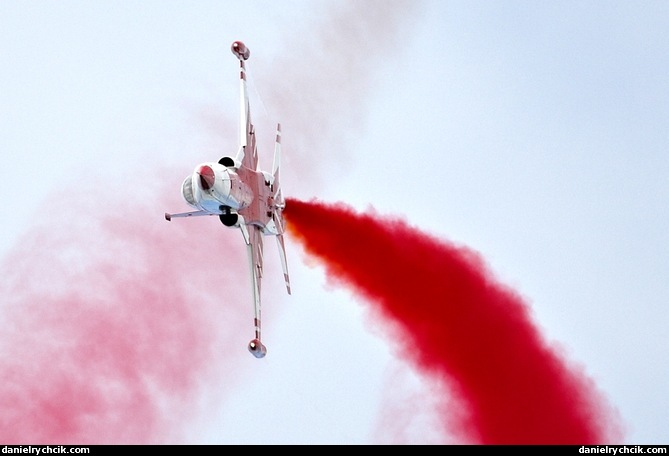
[247, 154]
[254, 247]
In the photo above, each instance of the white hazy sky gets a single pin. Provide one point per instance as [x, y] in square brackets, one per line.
[536, 133]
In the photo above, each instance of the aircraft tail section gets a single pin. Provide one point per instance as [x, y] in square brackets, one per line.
[279, 204]
[277, 154]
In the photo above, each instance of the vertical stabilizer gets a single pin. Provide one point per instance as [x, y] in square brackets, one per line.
[277, 153]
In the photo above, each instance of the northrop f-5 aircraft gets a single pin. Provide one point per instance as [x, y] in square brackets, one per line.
[243, 196]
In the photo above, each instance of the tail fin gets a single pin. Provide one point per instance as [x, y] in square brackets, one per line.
[277, 154]
[279, 203]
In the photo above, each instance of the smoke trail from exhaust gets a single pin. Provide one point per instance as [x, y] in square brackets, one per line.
[457, 324]
[108, 331]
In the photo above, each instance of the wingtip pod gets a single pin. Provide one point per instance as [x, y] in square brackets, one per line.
[240, 50]
[257, 348]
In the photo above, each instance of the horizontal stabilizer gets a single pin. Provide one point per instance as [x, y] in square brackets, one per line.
[284, 263]
[169, 217]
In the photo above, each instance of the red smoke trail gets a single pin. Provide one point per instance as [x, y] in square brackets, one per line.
[460, 326]
[110, 328]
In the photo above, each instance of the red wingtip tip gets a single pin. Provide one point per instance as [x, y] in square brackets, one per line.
[240, 50]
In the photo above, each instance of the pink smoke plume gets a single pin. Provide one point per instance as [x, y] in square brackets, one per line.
[109, 325]
[319, 85]
[112, 330]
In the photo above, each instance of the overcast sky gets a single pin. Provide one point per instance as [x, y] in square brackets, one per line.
[534, 133]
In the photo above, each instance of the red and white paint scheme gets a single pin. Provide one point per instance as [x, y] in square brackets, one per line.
[243, 196]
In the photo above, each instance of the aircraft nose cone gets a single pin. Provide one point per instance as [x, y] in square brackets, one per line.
[207, 177]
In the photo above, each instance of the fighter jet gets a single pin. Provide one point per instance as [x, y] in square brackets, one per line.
[243, 196]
